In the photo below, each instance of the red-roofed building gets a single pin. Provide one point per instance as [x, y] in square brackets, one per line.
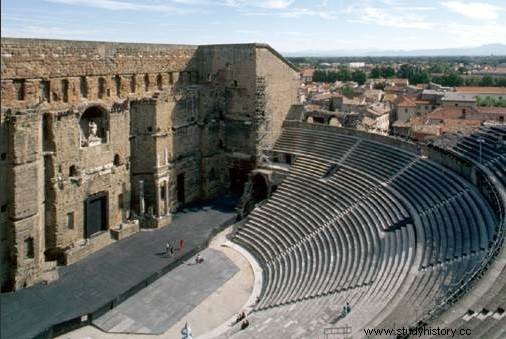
[306, 75]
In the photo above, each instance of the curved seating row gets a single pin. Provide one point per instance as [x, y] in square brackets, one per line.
[493, 149]
[361, 221]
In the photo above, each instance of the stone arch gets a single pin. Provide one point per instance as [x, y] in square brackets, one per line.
[334, 122]
[310, 120]
[94, 126]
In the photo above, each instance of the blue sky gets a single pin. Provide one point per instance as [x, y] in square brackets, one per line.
[287, 25]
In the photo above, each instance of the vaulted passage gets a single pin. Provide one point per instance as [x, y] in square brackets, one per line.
[260, 189]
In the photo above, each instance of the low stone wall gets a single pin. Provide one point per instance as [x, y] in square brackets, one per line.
[392, 141]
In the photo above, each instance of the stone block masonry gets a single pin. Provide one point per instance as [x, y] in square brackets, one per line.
[84, 123]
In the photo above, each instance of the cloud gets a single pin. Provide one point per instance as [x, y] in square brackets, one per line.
[120, 5]
[50, 32]
[299, 12]
[467, 34]
[391, 18]
[269, 4]
[474, 10]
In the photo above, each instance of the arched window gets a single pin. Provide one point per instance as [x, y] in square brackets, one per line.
[29, 248]
[133, 84]
[72, 171]
[159, 82]
[146, 82]
[94, 126]
[117, 160]
[65, 90]
[117, 82]
[101, 88]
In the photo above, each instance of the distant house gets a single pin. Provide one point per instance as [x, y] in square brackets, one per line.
[493, 72]
[448, 119]
[356, 64]
[456, 99]
[404, 108]
[432, 95]
[496, 114]
[398, 82]
[306, 75]
[424, 107]
[478, 91]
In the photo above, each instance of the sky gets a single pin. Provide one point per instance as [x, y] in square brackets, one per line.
[287, 25]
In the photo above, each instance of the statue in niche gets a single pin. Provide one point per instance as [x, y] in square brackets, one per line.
[93, 139]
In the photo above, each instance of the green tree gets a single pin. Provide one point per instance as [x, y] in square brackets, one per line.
[419, 77]
[487, 81]
[388, 72]
[347, 91]
[501, 82]
[404, 71]
[380, 85]
[359, 77]
[375, 73]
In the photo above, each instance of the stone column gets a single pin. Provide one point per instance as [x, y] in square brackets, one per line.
[157, 200]
[167, 197]
[142, 207]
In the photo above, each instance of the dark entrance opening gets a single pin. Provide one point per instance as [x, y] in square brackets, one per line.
[237, 179]
[319, 120]
[260, 189]
[180, 188]
[96, 214]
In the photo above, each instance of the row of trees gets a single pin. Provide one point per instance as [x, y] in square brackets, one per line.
[415, 75]
[490, 102]
[341, 75]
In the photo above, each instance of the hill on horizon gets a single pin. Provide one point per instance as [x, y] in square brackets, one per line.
[484, 50]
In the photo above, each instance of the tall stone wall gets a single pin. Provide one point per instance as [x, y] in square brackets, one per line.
[281, 83]
[86, 121]
[6, 234]
[58, 71]
[232, 68]
[26, 197]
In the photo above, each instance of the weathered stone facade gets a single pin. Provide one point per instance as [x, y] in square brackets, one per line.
[96, 138]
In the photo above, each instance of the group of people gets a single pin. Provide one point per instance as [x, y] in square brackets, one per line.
[242, 317]
[170, 248]
[346, 309]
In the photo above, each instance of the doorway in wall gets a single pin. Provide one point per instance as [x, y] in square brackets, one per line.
[96, 214]
[238, 178]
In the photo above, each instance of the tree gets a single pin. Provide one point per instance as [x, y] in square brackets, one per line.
[359, 77]
[453, 80]
[375, 73]
[347, 91]
[388, 72]
[487, 80]
[501, 82]
[380, 85]
[419, 77]
[404, 71]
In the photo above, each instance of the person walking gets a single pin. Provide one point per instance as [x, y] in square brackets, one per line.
[167, 248]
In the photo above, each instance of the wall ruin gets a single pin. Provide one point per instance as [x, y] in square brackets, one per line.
[84, 123]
